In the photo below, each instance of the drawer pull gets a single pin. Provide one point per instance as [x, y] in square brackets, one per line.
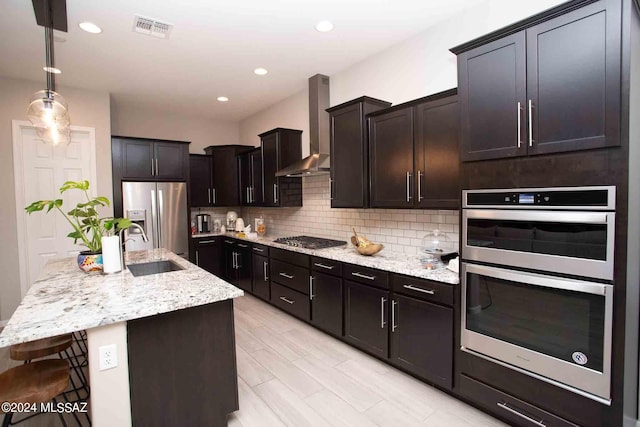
[258, 250]
[520, 414]
[424, 291]
[288, 301]
[364, 276]
[286, 275]
[242, 245]
[328, 267]
[231, 242]
[206, 241]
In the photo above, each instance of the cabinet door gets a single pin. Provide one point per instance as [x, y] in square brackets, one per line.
[137, 159]
[573, 80]
[437, 154]
[225, 178]
[349, 159]
[209, 255]
[260, 274]
[230, 271]
[366, 318]
[200, 181]
[170, 160]
[270, 166]
[256, 177]
[422, 339]
[391, 159]
[492, 94]
[244, 174]
[243, 265]
[326, 302]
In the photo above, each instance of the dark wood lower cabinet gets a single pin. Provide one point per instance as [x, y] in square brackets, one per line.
[260, 274]
[366, 318]
[422, 339]
[182, 367]
[326, 302]
[237, 264]
[290, 301]
[208, 254]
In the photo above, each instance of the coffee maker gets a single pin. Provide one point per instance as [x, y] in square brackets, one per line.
[202, 223]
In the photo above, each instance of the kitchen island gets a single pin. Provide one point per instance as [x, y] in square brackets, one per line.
[173, 333]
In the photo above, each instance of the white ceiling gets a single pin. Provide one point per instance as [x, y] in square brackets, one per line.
[213, 48]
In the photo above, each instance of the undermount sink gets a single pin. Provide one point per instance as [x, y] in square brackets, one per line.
[155, 267]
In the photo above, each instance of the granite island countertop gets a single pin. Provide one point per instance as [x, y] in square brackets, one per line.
[386, 260]
[65, 299]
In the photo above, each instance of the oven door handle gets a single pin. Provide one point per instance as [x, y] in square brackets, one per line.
[533, 215]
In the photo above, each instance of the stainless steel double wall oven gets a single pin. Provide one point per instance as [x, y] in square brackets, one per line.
[537, 273]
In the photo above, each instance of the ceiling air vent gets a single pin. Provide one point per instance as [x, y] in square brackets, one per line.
[152, 27]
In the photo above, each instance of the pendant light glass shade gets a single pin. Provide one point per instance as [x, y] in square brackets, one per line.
[48, 113]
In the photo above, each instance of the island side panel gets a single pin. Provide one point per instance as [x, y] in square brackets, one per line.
[182, 367]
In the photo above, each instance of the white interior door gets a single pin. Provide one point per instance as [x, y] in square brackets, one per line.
[40, 171]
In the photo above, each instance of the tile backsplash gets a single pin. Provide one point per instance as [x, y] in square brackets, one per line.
[400, 230]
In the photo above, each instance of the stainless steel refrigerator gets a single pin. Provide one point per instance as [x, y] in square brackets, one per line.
[160, 208]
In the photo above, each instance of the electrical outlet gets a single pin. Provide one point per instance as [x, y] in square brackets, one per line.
[108, 357]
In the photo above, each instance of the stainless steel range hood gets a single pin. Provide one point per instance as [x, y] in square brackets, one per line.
[318, 162]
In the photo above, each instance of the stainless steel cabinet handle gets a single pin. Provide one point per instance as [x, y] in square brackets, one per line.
[521, 415]
[382, 322]
[311, 295]
[286, 275]
[287, 300]
[242, 245]
[318, 264]
[235, 257]
[425, 291]
[153, 169]
[330, 189]
[519, 125]
[214, 195]
[364, 276]
[197, 259]
[251, 195]
[530, 123]
[408, 186]
[275, 193]
[264, 269]
[209, 194]
[420, 175]
[258, 250]
[393, 315]
[233, 260]
[157, 168]
[246, 194]
[229, 241]
[206, 241]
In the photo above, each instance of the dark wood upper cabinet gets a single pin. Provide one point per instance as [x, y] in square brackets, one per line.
[350, 152]
[280, 148]
[551, 87]
[200, 180]
[225, 180]
[437, 168]
[147, 159]
[250, 173]
[414, 154]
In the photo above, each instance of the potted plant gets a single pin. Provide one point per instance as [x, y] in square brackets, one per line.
[88, 227]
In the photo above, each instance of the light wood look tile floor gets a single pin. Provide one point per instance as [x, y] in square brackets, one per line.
[291, 374]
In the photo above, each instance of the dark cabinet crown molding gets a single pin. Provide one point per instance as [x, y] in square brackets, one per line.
[150, 139]
[413, 102]
[269, 132]
[355, 101]
[521, 25]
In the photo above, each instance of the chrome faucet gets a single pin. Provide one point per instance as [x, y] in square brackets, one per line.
[122, 242]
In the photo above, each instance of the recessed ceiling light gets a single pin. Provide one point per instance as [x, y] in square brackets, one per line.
[223, 99]
[260, 71]
[324, 26]
[52, 70]
[90, 27]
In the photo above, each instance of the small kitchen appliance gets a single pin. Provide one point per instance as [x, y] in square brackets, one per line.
[202, 223]
[232, 216]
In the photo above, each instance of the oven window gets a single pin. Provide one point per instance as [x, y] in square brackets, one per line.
[587, 241]
[567, 325]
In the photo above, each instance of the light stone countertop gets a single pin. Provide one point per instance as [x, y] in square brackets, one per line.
[386, 260]
[64, 299]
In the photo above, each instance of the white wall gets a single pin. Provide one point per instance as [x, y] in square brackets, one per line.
[127, 120]
[87, 108]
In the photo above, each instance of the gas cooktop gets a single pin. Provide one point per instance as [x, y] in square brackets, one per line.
[309, 242]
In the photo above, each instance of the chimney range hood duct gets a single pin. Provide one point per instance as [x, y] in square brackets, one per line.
[318, 162]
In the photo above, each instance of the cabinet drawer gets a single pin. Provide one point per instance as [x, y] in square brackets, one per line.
[207, 241]
[369, 276]
[326, 266]
[289, 256]
[260, 249]
[509, 407]
[423, 289]
[292, 276]
[290, 301]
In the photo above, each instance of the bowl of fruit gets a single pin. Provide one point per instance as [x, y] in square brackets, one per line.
[365, 246]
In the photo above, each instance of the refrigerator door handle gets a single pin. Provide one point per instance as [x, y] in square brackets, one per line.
[160, 211]
[154, 219]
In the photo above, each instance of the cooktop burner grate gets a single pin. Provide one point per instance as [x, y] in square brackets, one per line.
[309, 242]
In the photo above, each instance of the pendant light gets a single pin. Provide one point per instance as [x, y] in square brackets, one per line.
[48, 109]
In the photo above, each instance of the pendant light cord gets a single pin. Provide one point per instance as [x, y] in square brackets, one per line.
[48, 35]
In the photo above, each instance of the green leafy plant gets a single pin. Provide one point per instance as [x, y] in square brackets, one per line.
[88, 227]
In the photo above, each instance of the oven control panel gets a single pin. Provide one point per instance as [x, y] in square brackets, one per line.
[594, 197]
